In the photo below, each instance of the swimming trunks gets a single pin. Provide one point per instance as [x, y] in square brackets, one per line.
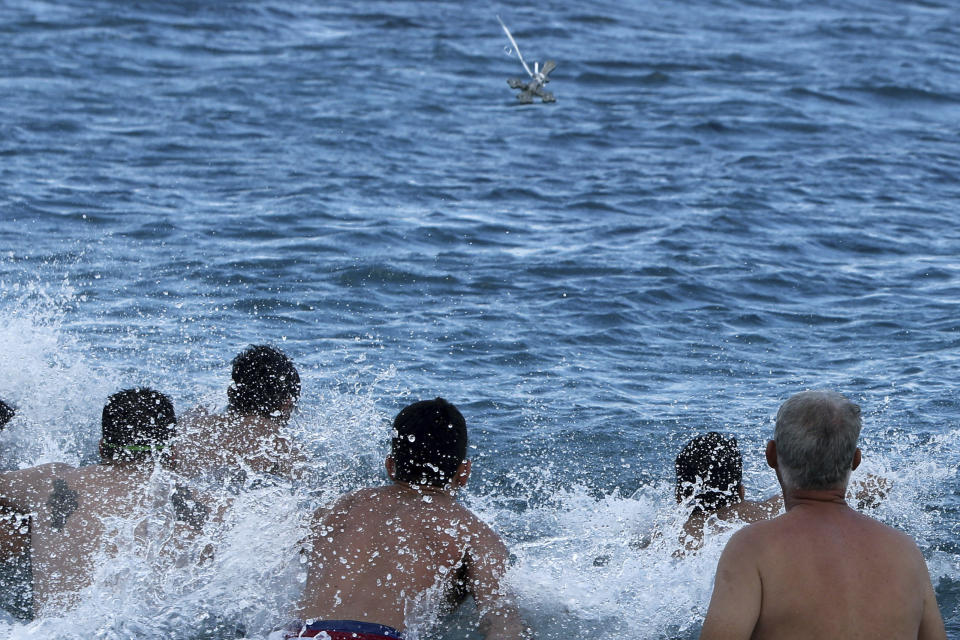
[337, 630]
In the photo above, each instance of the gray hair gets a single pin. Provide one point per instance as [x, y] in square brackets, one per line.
[816, 436]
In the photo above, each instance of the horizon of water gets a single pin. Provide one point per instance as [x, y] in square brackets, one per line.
[729, 202]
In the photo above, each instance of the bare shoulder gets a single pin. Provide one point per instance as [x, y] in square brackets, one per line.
[750, 540]
[346, 503]
[894, 539]
[197, 445]
[485, 552]
[190, 423]
[758, 532]
[753, 511]
[479, 536]
[471, 521]
[195, 415]
[737, 597]
[749, 547]
[43, 470]
[28, 489]
[35, 477]
[194, 425]
[360, 497]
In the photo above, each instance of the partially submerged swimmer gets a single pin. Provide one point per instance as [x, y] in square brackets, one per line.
[709, 472]
[709, 483]
[249, 435]
[382, 554]
[69, 505]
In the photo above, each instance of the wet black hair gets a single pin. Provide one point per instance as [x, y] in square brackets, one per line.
[429, 442]
[6, 413]
[264, 378]
[136, 422]
[709, 469]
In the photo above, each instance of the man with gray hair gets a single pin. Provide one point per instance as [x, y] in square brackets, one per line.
[821, 570]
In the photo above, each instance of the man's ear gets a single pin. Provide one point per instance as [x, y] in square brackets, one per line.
[771, 454]
[463, 474]
[741, 492]
[857, 459]
[391, 466]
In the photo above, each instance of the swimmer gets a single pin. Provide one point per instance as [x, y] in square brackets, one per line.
[68, 505]
[820, 570]
[710, 480]
[381, 554]
[248, 436]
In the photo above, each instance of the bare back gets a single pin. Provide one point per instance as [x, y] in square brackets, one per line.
[231, 442]
[384, 554]
[69, 507]
[822, 571]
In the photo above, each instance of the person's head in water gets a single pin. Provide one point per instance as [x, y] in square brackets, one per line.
[710, 471]
[135, 424]
[429, 445]
[6, 413]
[265, 383]
[816, 440]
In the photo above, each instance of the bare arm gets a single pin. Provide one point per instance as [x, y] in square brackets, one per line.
[317, 529]
[326, 521]
[735, 604]
[931, 624]
[487, 563]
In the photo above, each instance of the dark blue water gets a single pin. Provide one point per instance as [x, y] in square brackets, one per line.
[729, 202]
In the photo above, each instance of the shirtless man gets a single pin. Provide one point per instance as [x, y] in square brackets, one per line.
[248, 436]
[68, 505]
[821, 570]
[710, 480]
[386, 557]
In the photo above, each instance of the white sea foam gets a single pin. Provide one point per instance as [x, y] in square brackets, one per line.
[57, 389]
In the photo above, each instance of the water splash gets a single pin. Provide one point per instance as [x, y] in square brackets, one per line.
[585, 563]
[57, 388]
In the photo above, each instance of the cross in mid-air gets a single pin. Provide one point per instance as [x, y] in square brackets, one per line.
[535, 86]
[538, 77]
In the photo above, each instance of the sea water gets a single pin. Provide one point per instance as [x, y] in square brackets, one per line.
[729, 202]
